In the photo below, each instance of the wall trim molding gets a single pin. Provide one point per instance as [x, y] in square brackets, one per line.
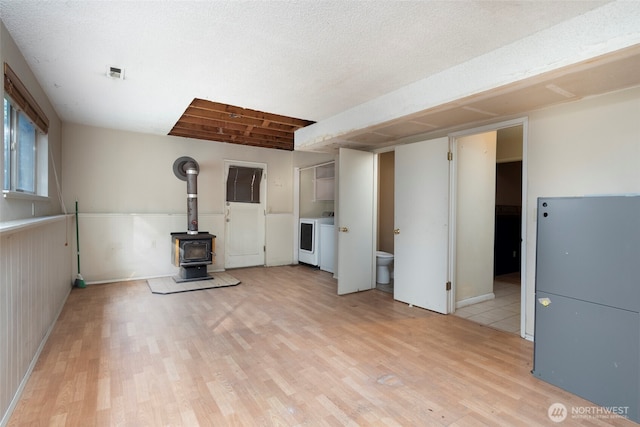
[475, 300]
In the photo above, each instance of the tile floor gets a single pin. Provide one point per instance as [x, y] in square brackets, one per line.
[502, 312]
[388, 288]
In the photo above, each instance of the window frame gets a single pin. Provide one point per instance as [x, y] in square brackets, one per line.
[37, 165]
[244, 190]
[21, 106]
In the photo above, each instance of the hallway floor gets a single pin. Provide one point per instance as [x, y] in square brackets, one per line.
[502, 312]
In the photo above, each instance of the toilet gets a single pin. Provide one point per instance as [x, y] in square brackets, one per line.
[383, 260]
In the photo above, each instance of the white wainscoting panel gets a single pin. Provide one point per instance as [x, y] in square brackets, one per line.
[279, 235]
[35, 279]
[115, 247]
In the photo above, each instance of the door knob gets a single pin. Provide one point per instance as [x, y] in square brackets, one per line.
[343, 229]
[396, 231]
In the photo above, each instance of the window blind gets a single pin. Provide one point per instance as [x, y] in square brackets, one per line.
[243, 184]
[17, 91]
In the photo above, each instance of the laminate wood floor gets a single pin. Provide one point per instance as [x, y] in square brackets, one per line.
[280, 349]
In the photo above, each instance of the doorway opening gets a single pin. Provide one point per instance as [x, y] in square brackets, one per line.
[385, 215]
[490, 293]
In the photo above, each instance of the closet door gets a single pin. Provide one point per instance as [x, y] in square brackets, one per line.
[422, 224]
[356, 250]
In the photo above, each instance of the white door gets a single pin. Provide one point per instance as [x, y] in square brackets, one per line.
[421, 242]
[475, 215]
[356, 250]
[245, 223]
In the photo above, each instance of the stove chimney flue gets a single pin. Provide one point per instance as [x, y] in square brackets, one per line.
[187, 169]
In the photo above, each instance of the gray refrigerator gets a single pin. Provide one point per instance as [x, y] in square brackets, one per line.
[587, 307]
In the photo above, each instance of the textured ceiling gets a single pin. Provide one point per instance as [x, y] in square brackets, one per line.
[305, 59]
[606, 73]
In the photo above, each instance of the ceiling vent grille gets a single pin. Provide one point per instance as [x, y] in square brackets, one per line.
[115, 72]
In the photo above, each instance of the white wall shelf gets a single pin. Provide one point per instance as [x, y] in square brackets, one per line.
[324, 176]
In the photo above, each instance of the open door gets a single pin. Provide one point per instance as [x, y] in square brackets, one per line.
[422, 224]
[475, 216]
[355, 221]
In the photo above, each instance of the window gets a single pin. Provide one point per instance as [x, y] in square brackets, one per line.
[243, 184]
[20, 151]
[25, 141]
[7, 147]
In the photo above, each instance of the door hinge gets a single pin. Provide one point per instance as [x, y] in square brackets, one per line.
[264, 248]
[449, 156]
[448, 286]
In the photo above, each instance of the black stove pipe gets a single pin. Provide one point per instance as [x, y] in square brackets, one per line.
[187, 169]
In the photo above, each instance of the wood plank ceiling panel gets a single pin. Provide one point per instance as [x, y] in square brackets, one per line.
[236, 125]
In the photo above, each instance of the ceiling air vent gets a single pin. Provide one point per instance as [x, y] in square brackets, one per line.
[115, 72]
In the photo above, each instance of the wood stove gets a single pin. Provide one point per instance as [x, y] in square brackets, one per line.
[191, 251]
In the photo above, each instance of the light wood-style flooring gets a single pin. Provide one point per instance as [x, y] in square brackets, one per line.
[280, 349]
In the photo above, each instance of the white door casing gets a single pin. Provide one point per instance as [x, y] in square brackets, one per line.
[245, 225]
[421, 259]
[355, 222]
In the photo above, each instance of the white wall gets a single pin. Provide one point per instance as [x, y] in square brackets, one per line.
[35, 255]
[583, 148]
[130, 200]
[12, 209]
[509, 148]
[112, 171]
